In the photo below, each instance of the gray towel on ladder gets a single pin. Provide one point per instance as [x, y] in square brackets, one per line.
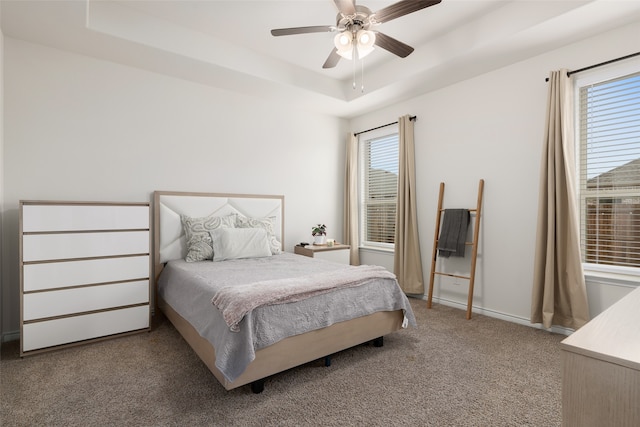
[453, 234]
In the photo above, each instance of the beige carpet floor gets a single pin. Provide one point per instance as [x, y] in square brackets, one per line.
[446, 372]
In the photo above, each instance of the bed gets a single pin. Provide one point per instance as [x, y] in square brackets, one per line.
[271, 327]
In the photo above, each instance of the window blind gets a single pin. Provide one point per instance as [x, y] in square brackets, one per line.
[609, 164]
[380, 188]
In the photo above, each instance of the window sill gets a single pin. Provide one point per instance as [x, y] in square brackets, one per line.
[375, 249]
[628, 279]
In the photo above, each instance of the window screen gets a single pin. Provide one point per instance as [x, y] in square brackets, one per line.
[609, 120]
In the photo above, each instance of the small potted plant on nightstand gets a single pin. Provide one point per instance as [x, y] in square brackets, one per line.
[319, 233]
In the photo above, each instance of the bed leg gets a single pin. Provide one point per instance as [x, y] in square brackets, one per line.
[327, 361]
[257, 386]
[378, 342]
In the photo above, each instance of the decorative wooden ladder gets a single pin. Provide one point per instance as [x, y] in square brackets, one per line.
[473, 244]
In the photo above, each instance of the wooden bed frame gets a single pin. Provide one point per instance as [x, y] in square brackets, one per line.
[287, 353]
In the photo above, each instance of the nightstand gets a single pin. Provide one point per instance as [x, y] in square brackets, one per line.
[336, 253]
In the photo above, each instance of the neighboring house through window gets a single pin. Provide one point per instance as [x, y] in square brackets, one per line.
[608, 125]
[378, 188]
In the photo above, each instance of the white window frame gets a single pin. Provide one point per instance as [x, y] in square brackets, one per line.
[362, 138]
[610, 273]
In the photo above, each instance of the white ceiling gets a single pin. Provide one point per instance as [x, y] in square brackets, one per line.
[228, 44]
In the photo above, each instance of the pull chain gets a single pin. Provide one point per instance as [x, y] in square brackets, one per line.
[353, 57]
[362, 76]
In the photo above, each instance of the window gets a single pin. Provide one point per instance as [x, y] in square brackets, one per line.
[609, 172]
[378, 189]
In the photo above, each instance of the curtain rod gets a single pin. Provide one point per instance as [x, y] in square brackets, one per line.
[611, 61]
[380, 127]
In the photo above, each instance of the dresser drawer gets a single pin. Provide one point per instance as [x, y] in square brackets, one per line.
[41, 276]
[66, 330]
[61, 217]
[41, 305]
[38, 247]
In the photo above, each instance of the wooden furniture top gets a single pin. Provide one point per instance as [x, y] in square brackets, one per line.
[320, 248]
[614, 335]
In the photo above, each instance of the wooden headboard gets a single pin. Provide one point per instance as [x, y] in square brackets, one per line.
[168, 235]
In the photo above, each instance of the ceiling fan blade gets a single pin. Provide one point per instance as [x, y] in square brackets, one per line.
[332, 59]
[392, 45]
[402, 8]
[302, 30]
[346, 7]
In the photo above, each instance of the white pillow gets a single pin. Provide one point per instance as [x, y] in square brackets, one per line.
[268, 224]
[234, 243]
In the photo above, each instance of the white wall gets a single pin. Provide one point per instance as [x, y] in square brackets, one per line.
[78, 128]
[491, 127]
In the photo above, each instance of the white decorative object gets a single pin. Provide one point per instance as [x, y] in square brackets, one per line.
[319, 239]
[84, 272]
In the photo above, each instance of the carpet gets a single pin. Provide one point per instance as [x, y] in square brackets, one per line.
[448, 371]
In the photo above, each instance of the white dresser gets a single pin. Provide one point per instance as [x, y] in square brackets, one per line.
[84, 272]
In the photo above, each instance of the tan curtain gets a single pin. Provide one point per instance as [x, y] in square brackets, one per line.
[559, 293]
[407, 262]
[351, 199]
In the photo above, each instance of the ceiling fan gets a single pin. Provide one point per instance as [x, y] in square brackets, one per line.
[354, 23]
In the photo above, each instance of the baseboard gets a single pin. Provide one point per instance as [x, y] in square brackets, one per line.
[11, 336]
[502, 316]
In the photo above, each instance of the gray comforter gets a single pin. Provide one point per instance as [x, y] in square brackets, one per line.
[190, 287]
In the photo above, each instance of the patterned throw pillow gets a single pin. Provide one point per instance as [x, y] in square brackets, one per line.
[196, 230]
[267, 224]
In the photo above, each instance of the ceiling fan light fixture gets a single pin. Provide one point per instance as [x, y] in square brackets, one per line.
[346, 54]
[366, 38]
[344, 44]
[365, 42]
[354, 40]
